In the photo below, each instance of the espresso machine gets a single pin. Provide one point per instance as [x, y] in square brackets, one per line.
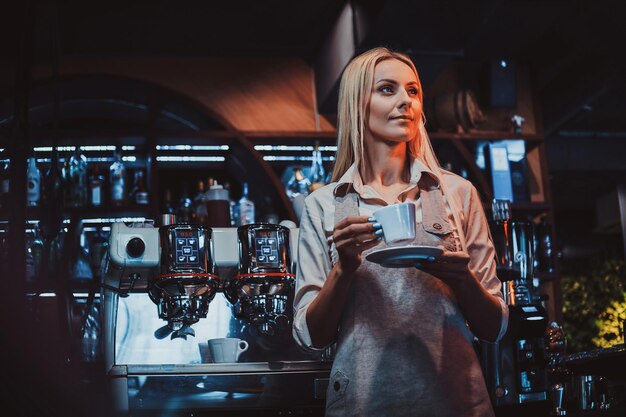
[167, 291]
[515, 367]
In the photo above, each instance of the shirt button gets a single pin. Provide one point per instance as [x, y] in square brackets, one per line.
[437, 226]
[336, 385]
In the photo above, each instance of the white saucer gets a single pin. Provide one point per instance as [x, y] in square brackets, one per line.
[404, 256]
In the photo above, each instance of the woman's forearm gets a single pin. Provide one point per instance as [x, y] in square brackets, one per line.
[481, 309]
[324, 312]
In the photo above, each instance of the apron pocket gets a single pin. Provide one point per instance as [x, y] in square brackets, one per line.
[336, 394]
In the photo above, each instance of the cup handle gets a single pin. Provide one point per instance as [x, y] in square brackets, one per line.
[243, 346]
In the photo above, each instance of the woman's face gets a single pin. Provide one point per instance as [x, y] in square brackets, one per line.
[395, 108]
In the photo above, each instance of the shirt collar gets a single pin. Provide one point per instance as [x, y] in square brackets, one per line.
[420, 174]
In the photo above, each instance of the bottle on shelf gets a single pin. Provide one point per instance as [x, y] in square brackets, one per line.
[317, 175]
[78, 175]
[184, 210]
[96, 186]
[246, 207]
[4, 183]
[117, 181]
[33, 183]
[199, 204]
[140, 194]
[66, 182]
[218, 206]
[53, 183]
[297, 189]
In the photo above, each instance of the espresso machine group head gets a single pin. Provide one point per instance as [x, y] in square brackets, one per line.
[187, 282]
[259, 291]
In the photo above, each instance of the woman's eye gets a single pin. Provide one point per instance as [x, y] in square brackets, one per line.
[386, 89]
[412, 91]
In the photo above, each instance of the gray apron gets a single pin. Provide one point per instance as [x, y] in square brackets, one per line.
[403, 346]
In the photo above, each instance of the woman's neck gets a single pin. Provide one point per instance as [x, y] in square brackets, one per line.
[385, 164]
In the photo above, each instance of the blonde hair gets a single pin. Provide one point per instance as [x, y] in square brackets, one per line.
[355, 91]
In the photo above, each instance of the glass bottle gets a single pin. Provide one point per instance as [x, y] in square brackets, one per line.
[91, 335]
[78, 175]
[96, 184]
[246, 207]
[199, 204]
[140, 193]
[316, 174]
[4, 184]
[33, 183]
[53, 183]
[117, 181]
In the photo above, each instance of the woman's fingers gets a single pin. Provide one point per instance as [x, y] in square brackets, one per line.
[355, 230]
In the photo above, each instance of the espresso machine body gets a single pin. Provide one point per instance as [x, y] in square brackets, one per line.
[515, 367]
[157, 329]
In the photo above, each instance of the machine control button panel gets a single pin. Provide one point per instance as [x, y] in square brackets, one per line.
[266, 248]
[187, 248]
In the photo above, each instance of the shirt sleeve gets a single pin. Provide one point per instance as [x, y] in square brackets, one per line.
[313, 267]
[482, 253]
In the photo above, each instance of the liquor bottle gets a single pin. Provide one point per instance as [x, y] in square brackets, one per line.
[96, 185]
[316, 173]
[199, 204]
[117, 181]
[33, 183]
[246, 207]
[4, 184]
[78, 175]
[140, 193]
[184, 211]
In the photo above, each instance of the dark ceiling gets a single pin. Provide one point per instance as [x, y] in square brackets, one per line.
[574, 49]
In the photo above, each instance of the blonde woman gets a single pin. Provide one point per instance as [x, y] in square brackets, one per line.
[404, 335]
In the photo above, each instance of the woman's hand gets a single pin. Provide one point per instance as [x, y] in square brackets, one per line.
[352, 236]
[450, 267]
[481, 309]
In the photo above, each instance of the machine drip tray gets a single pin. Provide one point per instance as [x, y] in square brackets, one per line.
[293, 385]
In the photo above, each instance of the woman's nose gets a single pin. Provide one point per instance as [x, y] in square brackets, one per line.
[405, 99]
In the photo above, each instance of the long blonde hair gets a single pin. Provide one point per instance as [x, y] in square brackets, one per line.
[355, 91]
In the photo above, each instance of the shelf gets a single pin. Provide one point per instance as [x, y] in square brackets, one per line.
[35, 213]
[53, 286]
[483, 135]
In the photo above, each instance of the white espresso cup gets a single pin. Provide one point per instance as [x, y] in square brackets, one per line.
[398, 223]
[227, 350]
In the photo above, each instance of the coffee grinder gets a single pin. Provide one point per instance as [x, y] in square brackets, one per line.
[514, 367]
